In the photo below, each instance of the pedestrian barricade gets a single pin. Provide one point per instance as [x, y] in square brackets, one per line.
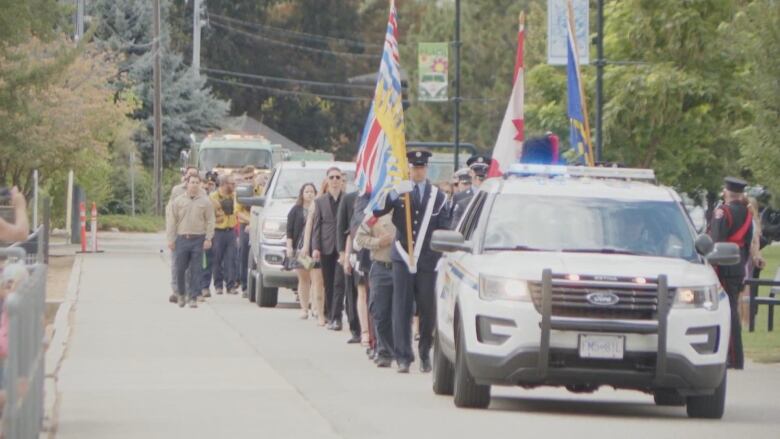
[23, 369]
[769, 301]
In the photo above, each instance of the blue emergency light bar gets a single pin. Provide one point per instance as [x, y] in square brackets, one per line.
[530, 170]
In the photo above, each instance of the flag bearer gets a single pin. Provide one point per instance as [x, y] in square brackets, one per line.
[414, 281]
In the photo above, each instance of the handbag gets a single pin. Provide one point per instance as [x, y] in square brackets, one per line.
[306, 262]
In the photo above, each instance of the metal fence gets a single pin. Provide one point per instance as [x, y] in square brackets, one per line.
[23, 369]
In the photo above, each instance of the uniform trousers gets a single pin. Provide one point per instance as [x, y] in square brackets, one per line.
[225, 254]
[243, 256]
[380, 305]
[733, 286]
[408, 290]
[189, 257]
[351, 295]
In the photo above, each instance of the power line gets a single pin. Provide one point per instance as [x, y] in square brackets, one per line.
[288, 80]
[293, 46]
[282, 92]
[300, 35]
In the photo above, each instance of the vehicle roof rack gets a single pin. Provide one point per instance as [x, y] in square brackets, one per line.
[611, 173]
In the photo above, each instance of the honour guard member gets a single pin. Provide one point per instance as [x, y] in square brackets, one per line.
[414, 276]
[732, 222]
[478, 168]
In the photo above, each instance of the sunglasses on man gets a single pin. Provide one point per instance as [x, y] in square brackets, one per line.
[334, 177]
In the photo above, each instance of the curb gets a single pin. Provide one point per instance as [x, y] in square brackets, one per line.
[55, 353]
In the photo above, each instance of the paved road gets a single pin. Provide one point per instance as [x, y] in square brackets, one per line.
[138, 367]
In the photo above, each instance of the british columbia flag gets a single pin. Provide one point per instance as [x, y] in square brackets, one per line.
[381, 159]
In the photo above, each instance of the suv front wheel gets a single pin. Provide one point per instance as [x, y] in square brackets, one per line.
[265, 297]
[708, 406]
[468, 393]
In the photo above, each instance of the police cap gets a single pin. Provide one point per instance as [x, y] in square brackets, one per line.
[418, 157]
[479, 164]
[734, 184]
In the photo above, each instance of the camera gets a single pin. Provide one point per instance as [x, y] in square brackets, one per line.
[6, 209]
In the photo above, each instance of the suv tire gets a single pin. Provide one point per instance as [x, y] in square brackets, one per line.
[443, 373]
[251, 278]
[468, 394]
[708, 406]
[668, 398]
[265, 297]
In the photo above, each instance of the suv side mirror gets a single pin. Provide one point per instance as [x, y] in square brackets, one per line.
[252, 201]
[446, 241]
[704, 244]
[245, 191]
[725, 253]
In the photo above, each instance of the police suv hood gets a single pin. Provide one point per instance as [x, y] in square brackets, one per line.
[529, 266]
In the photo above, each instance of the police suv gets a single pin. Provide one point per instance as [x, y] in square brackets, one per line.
[581, 277]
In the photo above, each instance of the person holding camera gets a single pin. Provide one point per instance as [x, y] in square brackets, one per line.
[225, 249]
[19, 228]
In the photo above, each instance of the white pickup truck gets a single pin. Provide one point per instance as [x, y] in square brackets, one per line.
[581, 277]
[268, 225]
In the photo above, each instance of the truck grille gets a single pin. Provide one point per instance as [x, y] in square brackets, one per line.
[570, 299]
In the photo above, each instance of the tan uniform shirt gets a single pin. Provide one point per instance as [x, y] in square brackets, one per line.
[190, 216]
[368, 237]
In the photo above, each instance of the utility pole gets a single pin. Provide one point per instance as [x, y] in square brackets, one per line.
[196, 37]
[456, 98]
[600, 63]
[158, 210]
[79, 20]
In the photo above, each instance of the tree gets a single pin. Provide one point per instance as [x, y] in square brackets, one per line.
[754, 40]
[187, 103]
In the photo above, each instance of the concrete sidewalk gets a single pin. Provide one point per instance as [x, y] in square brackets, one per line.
[139, 367]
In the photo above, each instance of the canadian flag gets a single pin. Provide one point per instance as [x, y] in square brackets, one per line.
[511, 135]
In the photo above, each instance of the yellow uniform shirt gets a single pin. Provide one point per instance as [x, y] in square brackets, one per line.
[224, 221]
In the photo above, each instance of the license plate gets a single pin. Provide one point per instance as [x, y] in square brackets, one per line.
[609, 347]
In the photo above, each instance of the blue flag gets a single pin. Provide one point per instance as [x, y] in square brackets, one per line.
[579, 131]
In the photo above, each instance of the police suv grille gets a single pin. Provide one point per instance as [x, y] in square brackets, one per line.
[570, 299]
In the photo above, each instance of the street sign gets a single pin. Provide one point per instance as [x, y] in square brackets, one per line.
[556, 31]
[433, 68]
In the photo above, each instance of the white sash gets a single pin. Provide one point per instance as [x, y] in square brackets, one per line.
[420, 234]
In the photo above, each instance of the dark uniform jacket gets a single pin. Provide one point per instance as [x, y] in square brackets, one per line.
[460, 202]
[727, 220]
[439, 219]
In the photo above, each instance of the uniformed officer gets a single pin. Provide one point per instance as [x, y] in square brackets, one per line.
[478, 168]
[733, 222]
[415, 282]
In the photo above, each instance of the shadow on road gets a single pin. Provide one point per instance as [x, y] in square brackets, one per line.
[586, 408]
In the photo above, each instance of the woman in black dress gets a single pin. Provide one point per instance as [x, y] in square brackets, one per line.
[296, 248]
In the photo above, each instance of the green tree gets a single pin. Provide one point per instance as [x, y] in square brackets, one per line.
[188, 105]
[754, 40]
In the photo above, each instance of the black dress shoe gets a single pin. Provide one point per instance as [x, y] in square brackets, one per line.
[385, 362]
[403, 367]
[425, 365]
[354, 339]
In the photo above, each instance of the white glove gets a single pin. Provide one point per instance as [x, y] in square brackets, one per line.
[403, 187]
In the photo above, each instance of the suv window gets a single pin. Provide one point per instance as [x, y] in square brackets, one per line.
[471, 218]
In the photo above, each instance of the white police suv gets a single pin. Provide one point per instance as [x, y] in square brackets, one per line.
[581, 277]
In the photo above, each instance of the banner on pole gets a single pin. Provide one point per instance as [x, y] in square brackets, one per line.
[433, 68]
[557, 34]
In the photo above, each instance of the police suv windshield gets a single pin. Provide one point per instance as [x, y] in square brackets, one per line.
[589, 225]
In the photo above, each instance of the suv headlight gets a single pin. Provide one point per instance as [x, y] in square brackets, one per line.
[697, 297]
[503, 288]
[274, 228]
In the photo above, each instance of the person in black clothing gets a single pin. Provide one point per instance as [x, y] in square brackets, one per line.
[324, 246]
[733, 222]
[414, 282]
[344, 230]
[296, 227]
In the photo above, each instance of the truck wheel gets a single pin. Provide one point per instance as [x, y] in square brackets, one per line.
[468, 393]
[668, 398]
[266, 297]
[708, 406]
[254, 275]
[443, 375]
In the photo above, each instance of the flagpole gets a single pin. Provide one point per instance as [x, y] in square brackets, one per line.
[570, 10]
